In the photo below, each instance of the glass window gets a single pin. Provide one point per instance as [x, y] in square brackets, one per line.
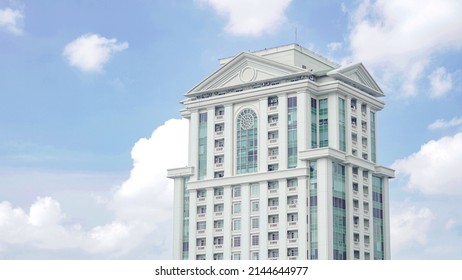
[237, 224]
[236, 191]
[323, 123]
[247, 141]
[255, 239]
[237, 208]
[255, 206]
[255, 189]
[200, 225]
[236, 241]
[255, 223]
[202, 165]
[292, 132]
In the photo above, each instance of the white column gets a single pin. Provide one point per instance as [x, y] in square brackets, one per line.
[178, 218]
[282, 219]
[348, 143]
[282, 126]
[209, 225]
[245, 216]
[194, 143]
[302, 214]
[227, 222]
[332, 111]
[210, 143]
[263, 220]
[349, 209]
[229, 140]
[324, 178]
[192, 224]
[302, 131]
[263, 136]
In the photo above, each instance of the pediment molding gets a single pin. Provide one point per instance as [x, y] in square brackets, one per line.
[244, 68]
[357, 76]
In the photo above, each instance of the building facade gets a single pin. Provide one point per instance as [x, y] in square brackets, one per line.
[282, 162]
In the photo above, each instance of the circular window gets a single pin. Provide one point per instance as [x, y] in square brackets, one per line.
[247, 119]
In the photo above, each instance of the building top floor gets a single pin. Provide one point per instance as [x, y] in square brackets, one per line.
[279, 69]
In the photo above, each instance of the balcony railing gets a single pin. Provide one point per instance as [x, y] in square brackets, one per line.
[273, 208]
[292, 189]
[273, 108]
[292, 224]
[292, 241]
[201, 232]
[273, 191]
[273, 242]
[273, 124]
[273, 141]
[273, 225]
[219, 133]
[218, 214]
[273, 158]
[218, 165]
[292, 206]
[219, 149]
[219, 197]
[219, 117]
[218, 230]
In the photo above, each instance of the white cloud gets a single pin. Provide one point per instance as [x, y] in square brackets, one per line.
[12, 20]
[442, 124]
[398, 38]
[440, 81]
[250, 17]
[435, 169]
[90, 52]
[333, 46]
[45, 212]
[142, 208]
[410, 227]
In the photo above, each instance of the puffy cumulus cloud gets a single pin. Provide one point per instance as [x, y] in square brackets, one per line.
[435, 169]
[45, 212]
[393, 36]
[39, 228]
[12, 20]
[440, 81]
[90, 52]
[442, 124]
[142, 208]
[250, 17]
[410, 227]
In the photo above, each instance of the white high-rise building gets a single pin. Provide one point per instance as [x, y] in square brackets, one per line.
[282, 162]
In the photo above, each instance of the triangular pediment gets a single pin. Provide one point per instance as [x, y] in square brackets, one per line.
[357, 76]
[242, 69]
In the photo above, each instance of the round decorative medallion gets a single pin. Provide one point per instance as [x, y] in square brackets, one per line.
[247, 74]
[246, 120]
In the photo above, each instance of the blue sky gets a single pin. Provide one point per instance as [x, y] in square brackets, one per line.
[89, 112]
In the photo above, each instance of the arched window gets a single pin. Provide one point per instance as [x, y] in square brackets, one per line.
[247, 145]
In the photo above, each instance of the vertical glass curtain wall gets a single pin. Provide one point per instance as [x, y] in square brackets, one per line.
[247, 144]
[338, 208]
[292, 132]
[202, 166]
